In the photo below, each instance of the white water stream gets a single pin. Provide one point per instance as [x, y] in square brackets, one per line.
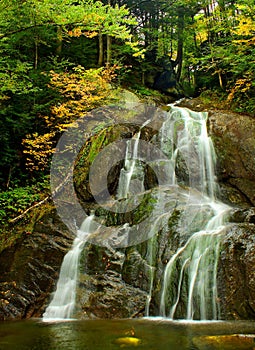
[130, 170]
[131, 179]
[189, 288]
[193, 269]
[62, 305]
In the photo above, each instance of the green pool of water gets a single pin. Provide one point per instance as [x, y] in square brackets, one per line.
[153, 333]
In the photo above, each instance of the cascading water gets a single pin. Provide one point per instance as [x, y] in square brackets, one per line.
[130, 169]
[190, 279]
[131, 179]
[183, 137]
[187, 287]
[192, 271]
[62, 305]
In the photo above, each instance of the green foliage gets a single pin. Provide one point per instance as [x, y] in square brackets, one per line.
[33, 37]
[224, 55]
[211, 46]
[15, 201]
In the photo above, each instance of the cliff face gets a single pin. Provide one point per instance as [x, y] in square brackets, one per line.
[234, 141]
[236, 275]
[115, 282]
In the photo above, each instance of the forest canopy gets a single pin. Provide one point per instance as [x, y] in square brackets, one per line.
[60, 59]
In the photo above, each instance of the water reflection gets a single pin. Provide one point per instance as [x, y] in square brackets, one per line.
[151, 334]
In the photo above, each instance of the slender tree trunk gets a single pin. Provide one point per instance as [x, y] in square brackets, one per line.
[108, 45]
[36, 42]
[59, 40]
[220, 79]
[100, 50]
[9, 178]
[179, 58]
[36, 53]
[108, 50]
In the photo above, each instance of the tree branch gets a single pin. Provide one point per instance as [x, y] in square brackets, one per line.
[45, 200]
[6, 35]
[17, 218]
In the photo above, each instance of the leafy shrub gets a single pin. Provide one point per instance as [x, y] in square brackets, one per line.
[79, 91]
[14, 201]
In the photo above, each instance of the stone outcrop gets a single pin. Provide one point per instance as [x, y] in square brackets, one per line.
[102, 291]
[233, 136]
[236, 275]
[234, 140]
[29, 269]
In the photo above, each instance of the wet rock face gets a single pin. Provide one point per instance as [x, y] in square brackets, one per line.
[29, 270]
[236, 275]
[234, 141]
[233, 136]
[102, 291]
[114, 283]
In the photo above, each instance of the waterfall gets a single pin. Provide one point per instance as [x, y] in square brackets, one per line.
[189, 283]
[183, 138]
[193, 270]
[62, 305]
[190, 279]
[183, 159]
[131, 178]
[131, 169]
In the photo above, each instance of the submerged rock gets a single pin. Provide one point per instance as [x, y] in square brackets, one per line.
[225, 342]
[128, 341]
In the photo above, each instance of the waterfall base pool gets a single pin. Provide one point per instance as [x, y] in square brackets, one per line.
[151, 334]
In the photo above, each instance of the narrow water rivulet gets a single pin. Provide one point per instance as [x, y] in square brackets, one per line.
[62, 305]
[186, 287]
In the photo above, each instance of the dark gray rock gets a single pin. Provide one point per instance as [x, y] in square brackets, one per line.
[102, 290]
[234, 141]
[29, 270]
[236, 275]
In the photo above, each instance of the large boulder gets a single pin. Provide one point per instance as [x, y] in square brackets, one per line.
[233, 135]
[236, 275]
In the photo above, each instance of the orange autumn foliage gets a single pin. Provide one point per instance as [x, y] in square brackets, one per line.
[79, 91]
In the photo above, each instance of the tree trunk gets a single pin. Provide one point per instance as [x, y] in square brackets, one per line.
[100, 50]
[179, 58]
[108, 45]
[59, 41]
[36, 53]
[109, 50]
